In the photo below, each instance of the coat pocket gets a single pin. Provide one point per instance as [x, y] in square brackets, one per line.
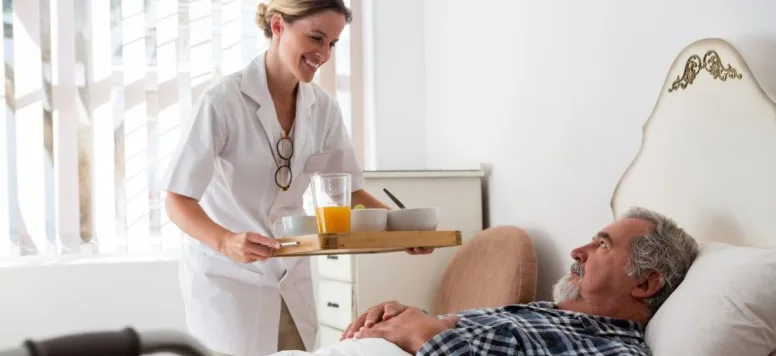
[221, 267]
[317, 162]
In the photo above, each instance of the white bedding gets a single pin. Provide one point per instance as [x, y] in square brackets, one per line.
[352, 347]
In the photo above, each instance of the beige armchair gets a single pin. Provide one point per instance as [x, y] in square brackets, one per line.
[495, 268]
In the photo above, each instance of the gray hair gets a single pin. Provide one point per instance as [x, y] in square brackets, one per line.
[667, 249]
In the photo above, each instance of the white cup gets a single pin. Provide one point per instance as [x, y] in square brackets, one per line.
[289, 226]
[363, 220]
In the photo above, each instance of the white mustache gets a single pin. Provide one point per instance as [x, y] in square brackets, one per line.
[578, 269]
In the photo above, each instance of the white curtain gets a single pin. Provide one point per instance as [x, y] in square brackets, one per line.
[94, 93]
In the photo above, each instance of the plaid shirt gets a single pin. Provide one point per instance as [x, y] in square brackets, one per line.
[540, 329]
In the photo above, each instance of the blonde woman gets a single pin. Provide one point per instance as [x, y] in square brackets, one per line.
[245, 159]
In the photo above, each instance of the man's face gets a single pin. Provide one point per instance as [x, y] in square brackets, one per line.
[598, 272]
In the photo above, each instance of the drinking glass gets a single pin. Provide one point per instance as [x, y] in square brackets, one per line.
[331, 198]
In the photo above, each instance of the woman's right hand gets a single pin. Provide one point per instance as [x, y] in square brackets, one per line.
[247, 247]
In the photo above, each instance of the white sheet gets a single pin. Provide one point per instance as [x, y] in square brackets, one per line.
[352, 347]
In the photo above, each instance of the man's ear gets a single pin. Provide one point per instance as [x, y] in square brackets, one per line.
[648, 287]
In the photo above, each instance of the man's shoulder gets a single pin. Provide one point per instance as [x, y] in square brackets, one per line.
[537, 307]
[550, 321]
[508, 309]
[544, 305]
[548, 316]
[532, 327]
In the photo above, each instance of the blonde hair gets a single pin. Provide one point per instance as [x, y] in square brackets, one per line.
[292, 10]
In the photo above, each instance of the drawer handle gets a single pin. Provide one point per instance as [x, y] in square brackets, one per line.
[332, 305]
[332, 257]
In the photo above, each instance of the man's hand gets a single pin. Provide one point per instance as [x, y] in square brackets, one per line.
[374, 315]
[420, 250]
[410, 330]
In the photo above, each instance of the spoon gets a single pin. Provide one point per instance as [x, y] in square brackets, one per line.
[398, 203]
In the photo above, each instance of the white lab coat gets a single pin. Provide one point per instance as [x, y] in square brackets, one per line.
[225, 159]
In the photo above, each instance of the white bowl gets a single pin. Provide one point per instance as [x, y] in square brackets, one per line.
[413, 219]
[368, 220]
[289, 226]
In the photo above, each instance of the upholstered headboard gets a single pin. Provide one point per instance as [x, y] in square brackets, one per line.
[708, 154]
[708, 160]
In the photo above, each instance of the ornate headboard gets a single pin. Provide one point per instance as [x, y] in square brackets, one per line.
[708, 151]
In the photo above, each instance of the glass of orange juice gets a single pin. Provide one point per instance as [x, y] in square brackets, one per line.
[331, 197]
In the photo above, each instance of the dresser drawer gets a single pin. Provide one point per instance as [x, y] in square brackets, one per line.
[338, 267]
[335, 304]
[328, 335]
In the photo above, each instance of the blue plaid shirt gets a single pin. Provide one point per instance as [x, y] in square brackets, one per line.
[538, 329]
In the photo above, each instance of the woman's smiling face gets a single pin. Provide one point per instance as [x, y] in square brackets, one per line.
[306, 44]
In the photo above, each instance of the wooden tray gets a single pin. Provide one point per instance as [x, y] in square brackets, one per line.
[364, 242]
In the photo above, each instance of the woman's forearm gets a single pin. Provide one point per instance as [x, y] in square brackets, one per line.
[189, 216]
[366, 199]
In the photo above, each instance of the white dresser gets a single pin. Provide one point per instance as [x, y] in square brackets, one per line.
[348, 285]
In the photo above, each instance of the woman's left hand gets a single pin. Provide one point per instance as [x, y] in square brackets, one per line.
[420, 250]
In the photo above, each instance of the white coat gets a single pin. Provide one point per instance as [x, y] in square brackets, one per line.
[225, 159]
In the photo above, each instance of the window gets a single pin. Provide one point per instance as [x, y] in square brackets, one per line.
[94, 93]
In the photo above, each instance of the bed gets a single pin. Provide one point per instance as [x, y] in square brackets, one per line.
[707, 160]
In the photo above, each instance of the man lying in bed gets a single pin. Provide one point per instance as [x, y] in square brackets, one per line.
[616, 283]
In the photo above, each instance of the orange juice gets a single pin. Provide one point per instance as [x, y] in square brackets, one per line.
[333, 219]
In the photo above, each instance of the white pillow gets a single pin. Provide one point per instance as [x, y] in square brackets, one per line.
[725, 306]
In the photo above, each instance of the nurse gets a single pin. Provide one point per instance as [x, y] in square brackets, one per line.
[244, 160]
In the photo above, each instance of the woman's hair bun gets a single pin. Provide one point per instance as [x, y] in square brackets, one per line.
[292, 10]
[262, 20]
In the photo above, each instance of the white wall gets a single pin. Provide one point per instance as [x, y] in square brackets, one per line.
[398, 57]
[51, 300]
[553, 95]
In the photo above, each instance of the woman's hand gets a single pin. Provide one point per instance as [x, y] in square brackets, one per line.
[374, 315]
[247, 247]
[420, 250]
